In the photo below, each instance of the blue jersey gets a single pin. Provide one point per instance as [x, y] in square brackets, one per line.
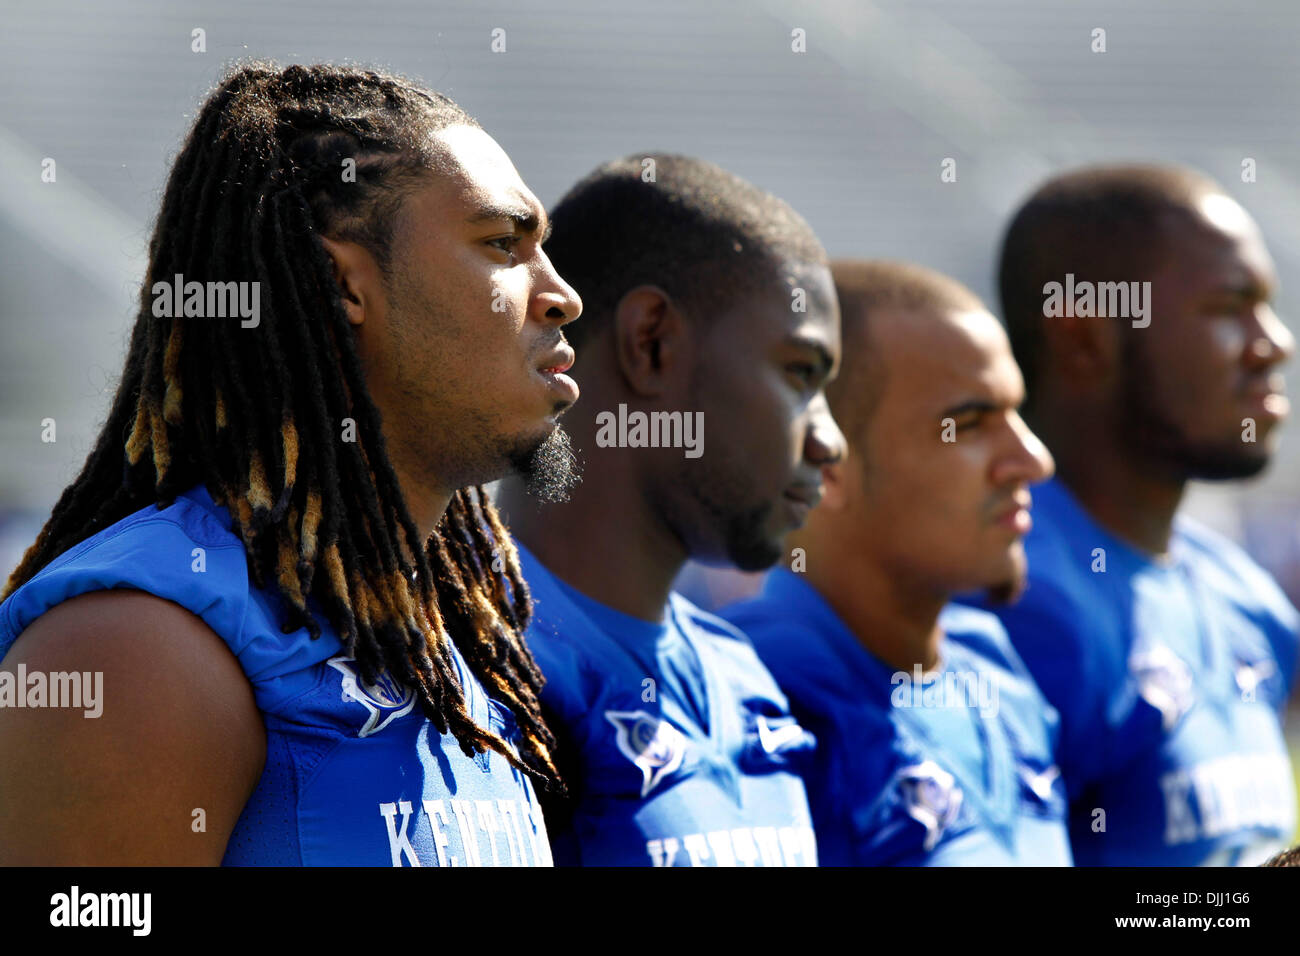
[1170, 678]
[955, 767]
[355, 774]
[675, 742]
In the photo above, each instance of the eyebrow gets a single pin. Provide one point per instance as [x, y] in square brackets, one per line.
[972, 405]
[522, 215]
[1252, 287]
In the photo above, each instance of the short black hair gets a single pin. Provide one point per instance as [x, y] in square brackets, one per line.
[1101, 223]
[864, 287]
[700, 233]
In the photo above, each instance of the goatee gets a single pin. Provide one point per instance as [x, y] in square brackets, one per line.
[550, 469]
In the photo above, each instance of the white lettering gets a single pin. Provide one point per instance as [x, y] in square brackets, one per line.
[399, 845]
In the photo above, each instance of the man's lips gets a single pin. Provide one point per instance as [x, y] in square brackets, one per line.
[800, 500]
[559, 361]
[552, 372]
[805, 494]
[1268, 396]
[1015, 516]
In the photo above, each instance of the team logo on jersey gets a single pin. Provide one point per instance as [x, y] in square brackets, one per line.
[1250, 674]
[782, 735]
[1040, 782]
[931, 797]
[1165, 682]
[654, 745]
[385, 699]
[773, 742]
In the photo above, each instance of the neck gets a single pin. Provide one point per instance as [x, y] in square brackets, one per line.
[427, 505]
[897, 620]
[607, 541]
[1122, 491]
[426, 493]
[425, 499]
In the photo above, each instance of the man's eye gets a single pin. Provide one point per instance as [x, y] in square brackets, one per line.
[803, 371]
[506, 244]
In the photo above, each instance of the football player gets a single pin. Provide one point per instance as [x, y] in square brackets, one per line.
[1137, 299]
[276, 562]
[711, 330]
[935, 746]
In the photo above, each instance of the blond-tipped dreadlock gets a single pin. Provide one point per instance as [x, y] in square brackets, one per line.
[254, 414]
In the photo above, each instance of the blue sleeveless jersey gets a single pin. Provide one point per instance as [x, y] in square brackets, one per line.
[952, 768]
[355, 774]
[1170, 679]
[675, 742]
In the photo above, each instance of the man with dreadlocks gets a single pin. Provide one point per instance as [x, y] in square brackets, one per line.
[307, 614]
[713, 303]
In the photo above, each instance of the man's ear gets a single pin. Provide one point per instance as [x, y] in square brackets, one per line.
[1084, 349]
[359, 278]
[651, 340]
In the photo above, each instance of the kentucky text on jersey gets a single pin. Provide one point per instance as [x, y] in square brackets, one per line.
[355, 774]
[1170, 678]
[673, 737]
[958, 772]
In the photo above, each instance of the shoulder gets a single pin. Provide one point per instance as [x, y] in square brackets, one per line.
[980, 630]
[1238, 574]
[712, 626]
[979, 643]
[181, 553]
[1257, 602]
[1063, 621]
[572, 678]
[1076, 583]
[743, 664]
[138, 641]
[770, 628]
[176, 728]
[188, 555]
[982, 639]
[1055, 644]
[795, 653]
[573, 654]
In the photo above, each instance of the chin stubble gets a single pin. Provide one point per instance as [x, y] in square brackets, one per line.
[549, 468]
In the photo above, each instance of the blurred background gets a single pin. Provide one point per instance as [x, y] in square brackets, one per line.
[851, 132]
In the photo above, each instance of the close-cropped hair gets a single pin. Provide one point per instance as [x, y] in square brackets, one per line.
[1100, 224]
[866, 287]
[702, 234]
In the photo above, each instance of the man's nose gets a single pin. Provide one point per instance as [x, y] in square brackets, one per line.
[825, 444]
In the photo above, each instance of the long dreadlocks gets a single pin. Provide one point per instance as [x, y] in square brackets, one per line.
[257, 414]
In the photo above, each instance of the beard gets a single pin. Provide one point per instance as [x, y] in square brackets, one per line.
[746, 540]
[1006, 593]
[548, 466]
[1012, 586]
[1151, 430]
[704, 511]
[1219, 463]
[749, 546]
